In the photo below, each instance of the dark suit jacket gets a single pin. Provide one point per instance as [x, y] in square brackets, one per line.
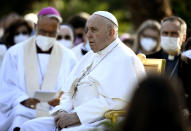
[183, 72]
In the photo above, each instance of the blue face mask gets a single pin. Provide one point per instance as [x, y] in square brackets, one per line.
[87, 46]
[20, 37]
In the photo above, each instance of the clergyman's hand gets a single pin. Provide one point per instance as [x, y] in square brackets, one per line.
[64, 119]
[56, 101]
[30, 103]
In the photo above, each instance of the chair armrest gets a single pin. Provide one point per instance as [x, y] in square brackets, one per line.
[114, 114]
[152, 65]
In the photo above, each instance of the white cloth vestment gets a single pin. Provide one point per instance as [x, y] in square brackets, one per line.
[100, 82]
[13, 81]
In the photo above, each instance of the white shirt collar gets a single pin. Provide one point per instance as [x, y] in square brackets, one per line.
[99, 56]
[108, 48]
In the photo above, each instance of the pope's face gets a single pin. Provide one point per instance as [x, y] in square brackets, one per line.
[97, 32]
[47, 27]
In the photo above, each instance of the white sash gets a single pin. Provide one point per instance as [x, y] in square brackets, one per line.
[31, 67]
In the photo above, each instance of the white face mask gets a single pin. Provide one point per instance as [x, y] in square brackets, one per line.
[170, 44]
[66, 43]
[148, 44]
[20, 37]
[44, 42]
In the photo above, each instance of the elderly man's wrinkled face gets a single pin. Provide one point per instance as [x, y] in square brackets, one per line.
[47, 27]
[98, 33]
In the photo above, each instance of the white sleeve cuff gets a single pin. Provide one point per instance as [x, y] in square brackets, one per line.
[60, 108]
[20, 99]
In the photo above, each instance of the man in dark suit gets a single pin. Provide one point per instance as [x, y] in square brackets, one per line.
[173, 35]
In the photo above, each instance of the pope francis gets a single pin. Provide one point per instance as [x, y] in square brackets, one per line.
[103, 80]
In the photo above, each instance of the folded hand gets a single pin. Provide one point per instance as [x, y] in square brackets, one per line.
[64, 119]
[30, 103]
[54, 102]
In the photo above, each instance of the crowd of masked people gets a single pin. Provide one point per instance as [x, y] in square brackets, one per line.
[15, 28]
[77, 68]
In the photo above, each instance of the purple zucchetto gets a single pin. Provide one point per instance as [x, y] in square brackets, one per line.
[50, 12]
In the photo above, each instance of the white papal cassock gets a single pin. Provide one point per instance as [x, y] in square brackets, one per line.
[13, 88]
[100, 82]
[77, 50]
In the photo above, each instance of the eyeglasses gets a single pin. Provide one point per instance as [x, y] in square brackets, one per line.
[22, 32]
[47, 33]
[66, 37]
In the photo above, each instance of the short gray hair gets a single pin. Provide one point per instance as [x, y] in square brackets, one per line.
[183, 24]
[110, 24]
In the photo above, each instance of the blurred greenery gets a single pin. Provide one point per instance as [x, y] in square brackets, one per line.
[68, 8]
[182, 8]
[122, 9]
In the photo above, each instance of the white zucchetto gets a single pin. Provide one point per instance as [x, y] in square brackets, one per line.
[107, 15]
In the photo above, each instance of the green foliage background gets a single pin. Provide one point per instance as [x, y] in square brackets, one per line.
[67, 8]
[182, 8]
[70, 7]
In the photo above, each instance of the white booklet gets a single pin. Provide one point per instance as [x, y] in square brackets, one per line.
[45, 96]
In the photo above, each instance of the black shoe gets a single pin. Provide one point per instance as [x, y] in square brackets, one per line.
[16, 129]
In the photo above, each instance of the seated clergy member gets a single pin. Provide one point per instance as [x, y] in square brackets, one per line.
[40, 63]
[103, 80]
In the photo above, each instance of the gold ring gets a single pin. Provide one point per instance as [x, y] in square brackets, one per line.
[31, 106]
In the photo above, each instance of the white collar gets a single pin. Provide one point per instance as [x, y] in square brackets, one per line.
[171, 57]
[108, 48]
